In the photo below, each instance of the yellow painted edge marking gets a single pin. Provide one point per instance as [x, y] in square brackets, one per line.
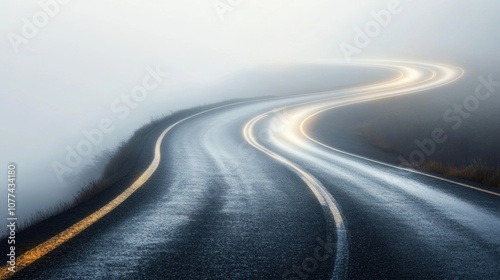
[46, 247]
[49, 245]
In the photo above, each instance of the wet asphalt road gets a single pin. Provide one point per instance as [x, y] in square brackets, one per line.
[216, 208]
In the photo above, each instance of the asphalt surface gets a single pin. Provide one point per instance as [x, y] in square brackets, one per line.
[218, 208]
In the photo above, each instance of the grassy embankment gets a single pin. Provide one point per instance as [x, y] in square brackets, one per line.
[471, 150]
[122, 165]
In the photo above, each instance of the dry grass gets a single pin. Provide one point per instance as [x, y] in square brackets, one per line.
[43, 215]
[119, 163]
[122, 161]
[396, 135]
[476, 171]
[89, 191]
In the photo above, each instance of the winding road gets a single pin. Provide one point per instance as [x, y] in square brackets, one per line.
[244, 191]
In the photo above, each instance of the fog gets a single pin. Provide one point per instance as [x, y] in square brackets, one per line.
[67, 75]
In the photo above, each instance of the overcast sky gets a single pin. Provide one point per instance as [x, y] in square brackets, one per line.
[63, 66]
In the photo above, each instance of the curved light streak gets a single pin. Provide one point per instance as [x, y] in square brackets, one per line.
[414, 77]
[410, 80]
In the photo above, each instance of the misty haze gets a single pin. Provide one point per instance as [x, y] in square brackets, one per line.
[250, 139]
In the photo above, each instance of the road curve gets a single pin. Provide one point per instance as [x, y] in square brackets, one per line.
[244, 191]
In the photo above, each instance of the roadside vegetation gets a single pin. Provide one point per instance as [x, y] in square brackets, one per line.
[119, 162]
[476, 171]
[472, 147]
[114, 169]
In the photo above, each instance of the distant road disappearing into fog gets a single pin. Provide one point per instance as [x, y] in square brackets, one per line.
[243, 191]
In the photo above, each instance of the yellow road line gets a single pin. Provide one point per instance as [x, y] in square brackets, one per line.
[54, 242]
[46, 247]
